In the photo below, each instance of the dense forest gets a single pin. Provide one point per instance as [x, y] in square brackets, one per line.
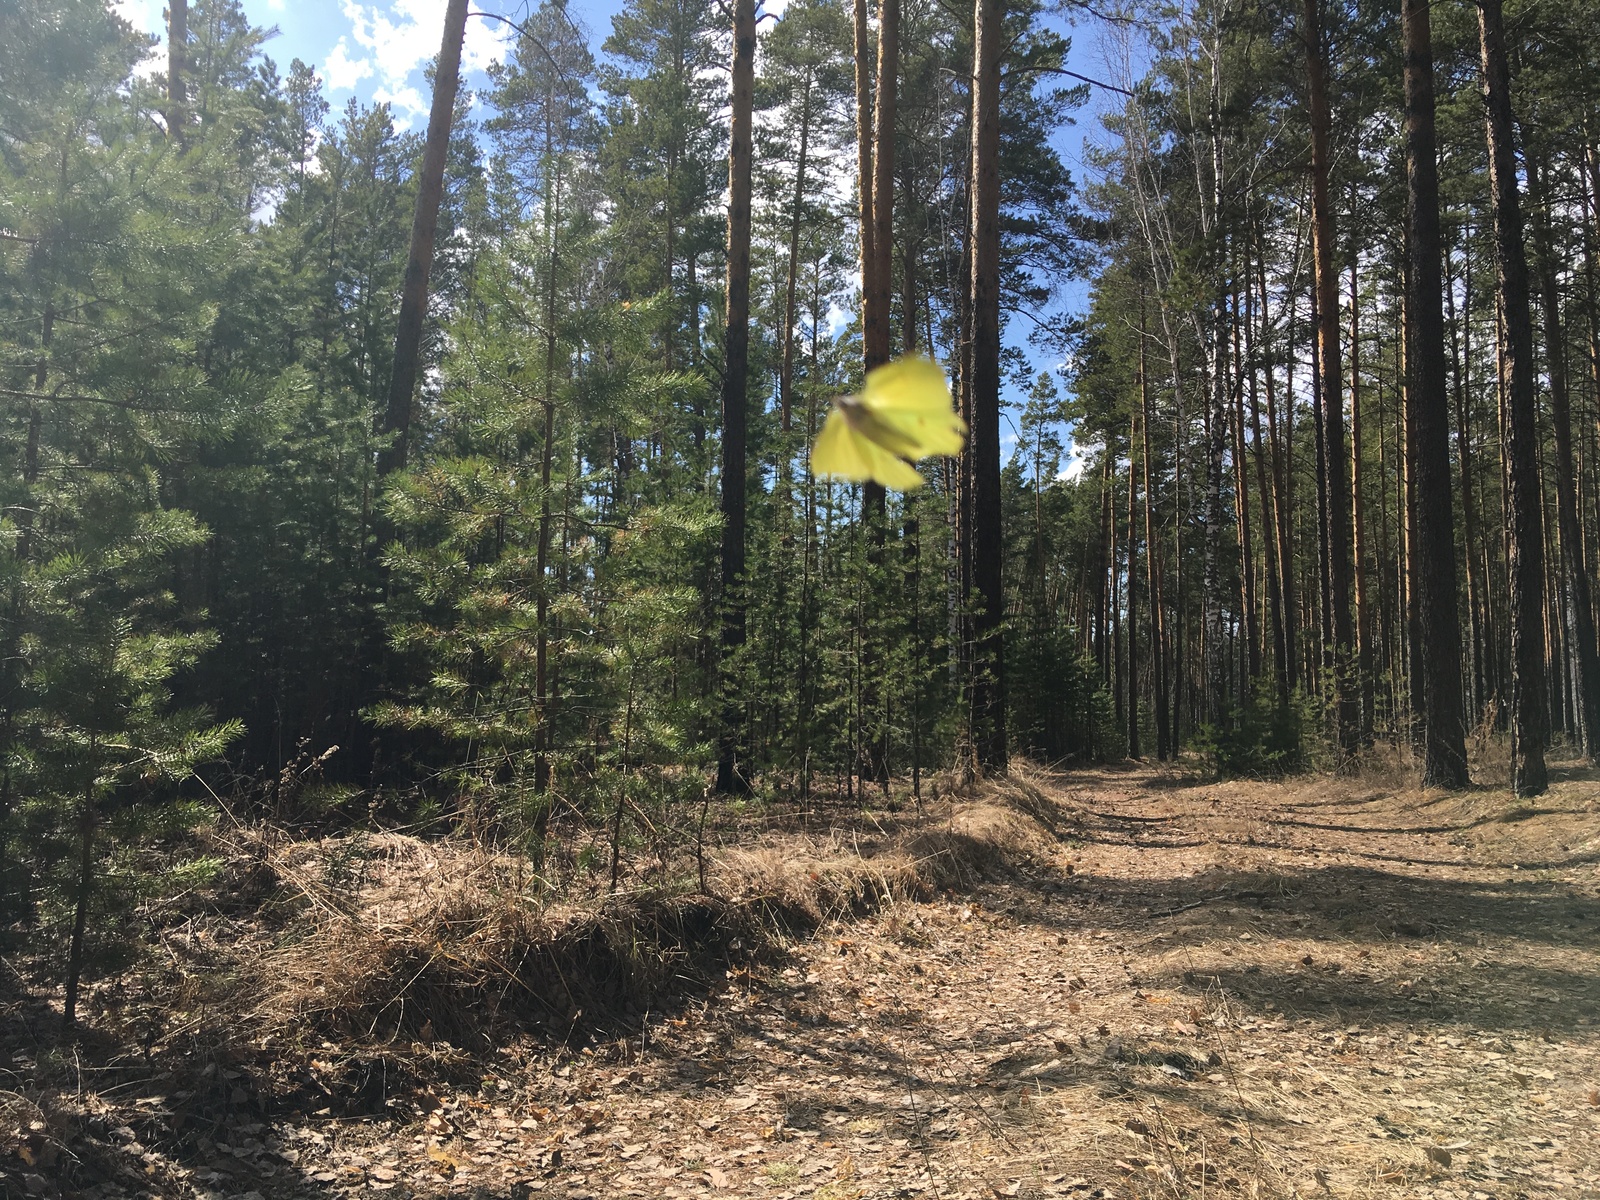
[462, 481]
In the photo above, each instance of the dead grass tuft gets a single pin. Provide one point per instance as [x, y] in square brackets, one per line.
[977, 842]
[800, 883]
[403, 943]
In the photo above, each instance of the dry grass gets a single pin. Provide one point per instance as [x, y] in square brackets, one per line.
[441, 942]
[1151, 985]
[403, 943]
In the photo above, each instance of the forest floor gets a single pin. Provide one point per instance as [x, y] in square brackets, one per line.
[1322, 987]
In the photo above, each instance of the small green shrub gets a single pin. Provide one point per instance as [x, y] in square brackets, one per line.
[1265, 740]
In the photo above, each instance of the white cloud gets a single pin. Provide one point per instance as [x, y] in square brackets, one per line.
[406, 36]
[397, 41]
[407, 103]
[837, 319]
[141, 14]
[487, 42]
[147, 16]
[275, 5]
[396, 48]
[1077, 461]
[343, 72]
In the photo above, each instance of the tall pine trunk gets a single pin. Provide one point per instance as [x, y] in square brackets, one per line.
[177, 67]
[1577, 609]
[1469, 508]
[1250, 615]
[424, 231]
[735, 388]
[1530, 715]
[877, 266]
[1133, 587]
[1438, 652]
[786, 373]
[1334, 488]
[875, 116]
[1358, 517]
[1217, 708]
[1269, 506]
[544, 739]
[863, 63]
[987, 683]
[1288, 669]
[1152, 556]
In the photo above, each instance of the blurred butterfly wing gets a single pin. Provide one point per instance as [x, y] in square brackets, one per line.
[838, 451]
[842, 453]
[890, 471]
[912, 383]
[912, 397]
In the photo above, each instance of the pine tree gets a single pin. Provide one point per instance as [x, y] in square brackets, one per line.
[736, 385]
[1530, 719]
[1428, 423]
[981, 399]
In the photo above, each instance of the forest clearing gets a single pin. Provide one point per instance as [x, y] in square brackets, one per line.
[1121, 982]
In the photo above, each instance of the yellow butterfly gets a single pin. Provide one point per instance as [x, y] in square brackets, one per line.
[904, 413]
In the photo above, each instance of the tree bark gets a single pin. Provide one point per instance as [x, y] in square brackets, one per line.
[1218, 703]
[864, 177]
[541, 656]
[1104, 566]
[1152, 557]
[1428, 425]
[1530, 716]
[1259, 352]
[1358, 518]
[875, 116]
[1133, 589]
[1110, 591]
[908, 276]
[1410, 558]
[177, 67]
[1177, 667]
[987, 695]
[1250, 616]
[786, 374]
[878, 268]
[424, 230]
[1334, 487]
[1577, 599]
[1469, 510]
[735, 388]
[1320, 666]
[1289, 669]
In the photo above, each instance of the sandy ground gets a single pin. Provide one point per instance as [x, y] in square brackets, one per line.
[1343, 988]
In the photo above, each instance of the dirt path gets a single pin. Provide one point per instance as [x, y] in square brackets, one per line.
[1236, 990]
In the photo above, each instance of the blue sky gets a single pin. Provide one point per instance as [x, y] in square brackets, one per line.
[372, 51]
[377, 50]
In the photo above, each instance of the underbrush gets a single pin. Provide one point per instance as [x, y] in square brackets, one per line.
[1264, 739]
[353, 971]
[399, 940]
